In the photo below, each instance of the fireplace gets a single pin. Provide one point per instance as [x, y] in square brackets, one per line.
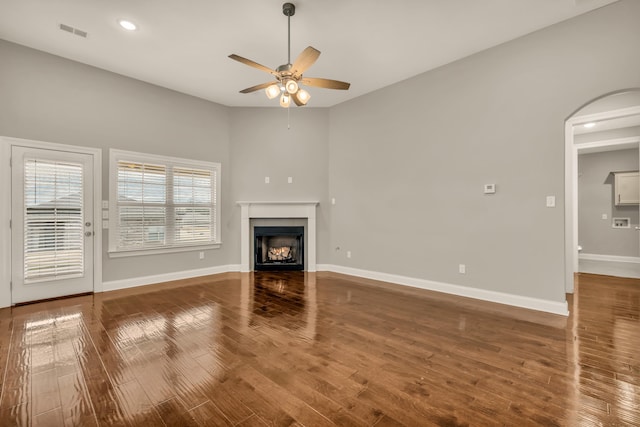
[278, 248]
[277, 210]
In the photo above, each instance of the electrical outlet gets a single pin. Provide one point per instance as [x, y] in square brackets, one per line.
[348, 254]
[489, 189]
[201, 255]
[462, 269]
[290, 180]
[604, 216]
[333, 200]
[266, 180]
[551, 201]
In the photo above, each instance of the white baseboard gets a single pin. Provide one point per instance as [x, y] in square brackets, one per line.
[167, 277]
[554, 307]
[464, 291]
[611, 258]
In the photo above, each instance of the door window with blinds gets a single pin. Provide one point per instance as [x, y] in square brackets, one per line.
[53, 220]
[162, 203]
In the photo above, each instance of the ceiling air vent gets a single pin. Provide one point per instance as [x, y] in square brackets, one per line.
[70, 29]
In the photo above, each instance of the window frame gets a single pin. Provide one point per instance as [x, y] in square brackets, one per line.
[169, 162]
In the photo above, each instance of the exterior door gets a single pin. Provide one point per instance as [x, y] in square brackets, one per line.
[51, 224]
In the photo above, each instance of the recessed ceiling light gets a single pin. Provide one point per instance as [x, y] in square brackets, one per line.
[589, 125]
[127, 25]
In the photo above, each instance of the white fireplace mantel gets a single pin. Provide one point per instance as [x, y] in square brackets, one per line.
[250, 210]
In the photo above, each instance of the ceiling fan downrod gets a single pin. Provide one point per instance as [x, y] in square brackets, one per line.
[288, 9]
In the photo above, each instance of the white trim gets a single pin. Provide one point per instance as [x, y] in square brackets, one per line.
[530, 303]
[163, 250]
[604, 115]
[133, 282]
[278, 209]
[613, 258]
[5, 209]
[571, 185]
[585, 146]
[5, 217]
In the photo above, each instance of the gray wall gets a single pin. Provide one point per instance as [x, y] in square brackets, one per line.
[263, 145]
[48, 98]
[408, 162]
[596, 197]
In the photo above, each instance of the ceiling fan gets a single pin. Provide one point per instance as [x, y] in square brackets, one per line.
[289, 76]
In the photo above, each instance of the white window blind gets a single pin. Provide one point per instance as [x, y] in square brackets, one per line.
[53, 220]
[163, 202]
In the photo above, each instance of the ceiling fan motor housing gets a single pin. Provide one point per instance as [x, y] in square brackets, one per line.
[289, 9]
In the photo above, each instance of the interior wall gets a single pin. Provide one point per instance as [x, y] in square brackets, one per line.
[596, 197]
[267, 142]
[408, 162]
[48, 98]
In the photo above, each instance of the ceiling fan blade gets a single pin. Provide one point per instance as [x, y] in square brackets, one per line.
[257, 87]
[325, 83]
[305, 60]
[252, 64]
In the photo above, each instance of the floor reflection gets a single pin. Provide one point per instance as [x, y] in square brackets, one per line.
[282, 301]
[286, 348]
[607, 340]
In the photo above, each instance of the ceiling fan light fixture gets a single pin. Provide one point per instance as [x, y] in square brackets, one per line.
[303, 96]
[291, 86]
[285, 100]
[288, 75]
[272, 91]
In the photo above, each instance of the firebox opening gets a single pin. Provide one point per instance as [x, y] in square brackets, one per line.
[279, 248]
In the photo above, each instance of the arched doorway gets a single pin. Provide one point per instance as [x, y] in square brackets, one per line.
[604, 119]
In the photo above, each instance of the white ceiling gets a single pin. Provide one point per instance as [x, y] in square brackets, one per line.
[184, 44]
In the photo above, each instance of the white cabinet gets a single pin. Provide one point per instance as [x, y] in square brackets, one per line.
[627, 188]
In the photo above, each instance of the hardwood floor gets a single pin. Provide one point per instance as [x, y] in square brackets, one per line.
[319, 350]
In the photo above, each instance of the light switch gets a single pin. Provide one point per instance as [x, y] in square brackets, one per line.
[266, 179]
[105, 204]
[551, 201]
[105, 214]
[290, 180]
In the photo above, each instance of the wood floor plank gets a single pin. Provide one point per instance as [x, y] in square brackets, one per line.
[314, 349]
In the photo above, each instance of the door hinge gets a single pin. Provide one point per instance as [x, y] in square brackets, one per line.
[10, 286]
[10, 223]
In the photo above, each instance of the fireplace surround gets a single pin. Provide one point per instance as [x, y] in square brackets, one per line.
[282, 210]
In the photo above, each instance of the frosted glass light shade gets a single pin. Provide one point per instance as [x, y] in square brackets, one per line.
[291, 86]
[303, 96]
[272, 91]
[285, 100]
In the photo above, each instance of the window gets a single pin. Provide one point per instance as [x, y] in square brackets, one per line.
[162, 203]
[53, 220]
